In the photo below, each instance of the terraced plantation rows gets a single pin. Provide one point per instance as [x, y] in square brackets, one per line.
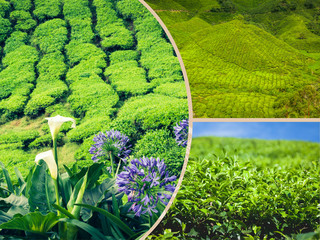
[248, 58]
[106, 63]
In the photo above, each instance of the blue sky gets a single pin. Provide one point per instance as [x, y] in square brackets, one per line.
[306, 131]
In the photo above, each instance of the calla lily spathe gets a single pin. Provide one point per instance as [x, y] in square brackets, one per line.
[56, 122]
[49, 159]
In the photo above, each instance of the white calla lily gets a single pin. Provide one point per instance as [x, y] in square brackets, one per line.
[49, 159]
[56, 122]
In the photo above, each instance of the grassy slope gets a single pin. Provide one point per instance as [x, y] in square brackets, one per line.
[242, 65]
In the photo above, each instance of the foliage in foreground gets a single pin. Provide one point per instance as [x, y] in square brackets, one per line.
[100, 201]
[237, 192]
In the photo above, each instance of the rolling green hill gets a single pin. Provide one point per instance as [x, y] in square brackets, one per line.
[248, 58]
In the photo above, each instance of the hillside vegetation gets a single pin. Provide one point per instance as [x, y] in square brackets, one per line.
[105, 63]
[248, 58]
[247, 189]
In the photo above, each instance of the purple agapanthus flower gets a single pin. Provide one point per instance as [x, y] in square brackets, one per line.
[112, 141]
[181, 132]
[146, 182]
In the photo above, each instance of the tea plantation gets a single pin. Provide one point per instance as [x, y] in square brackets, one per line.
[105, 63]
[248, 58]
[247, 189]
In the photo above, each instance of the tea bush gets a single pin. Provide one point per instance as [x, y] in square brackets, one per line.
[78, 14]
[50, 36]
[45, 10]
[49, 89]
[241, 188]
[4, 8]
[5, 29]
[127, 78]
[24, 5]
[148, 112]
[22, 20]
[160, 143]
[176, 89]
[16, 40]
[111, 28]
[123, 56]
[16, 80]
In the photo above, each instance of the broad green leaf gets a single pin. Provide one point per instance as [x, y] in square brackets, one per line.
[76, 209]
[17, 201]
[110, 216]
[96, 234]
[41, 193]
[94, 196]
[64, 211]
[7, 177]
[65, 187]
[33, 222]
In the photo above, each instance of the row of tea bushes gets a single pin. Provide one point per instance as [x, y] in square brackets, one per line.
[164, 66]
[125, 76]
[45, 10]
[79, 17]
[110, 27]
[17, 80]
[91, 99]
[50, 38]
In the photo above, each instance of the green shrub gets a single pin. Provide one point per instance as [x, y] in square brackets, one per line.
[47, 9]
[4, 8]
[24, 5]
[152, 112]
[16, 80]
[50, 36]
[50, 88]
[5, 29]
[46, 141]
[78, 14]
[111, 28]
[106, 14]
[128, 79]
[22, 20]
[160, 143]
[123, 56]
[88, 127]
[91, 93]
[21, 56]
[84, 51]
[16, 40]
[17, 158]
[76, 8]
[24, 137]
[11, 146]
[132, 9]
[176, 89]
[83, 152]
[81, 30]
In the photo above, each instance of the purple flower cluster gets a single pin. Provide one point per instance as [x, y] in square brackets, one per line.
[146, 182]
[181, 132]
[112, 141]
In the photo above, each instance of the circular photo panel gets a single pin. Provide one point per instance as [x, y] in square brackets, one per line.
[93, 119]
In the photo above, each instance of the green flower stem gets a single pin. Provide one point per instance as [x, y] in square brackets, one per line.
[56, 181]
[56, 188]
[119, 164]
[111, 159]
